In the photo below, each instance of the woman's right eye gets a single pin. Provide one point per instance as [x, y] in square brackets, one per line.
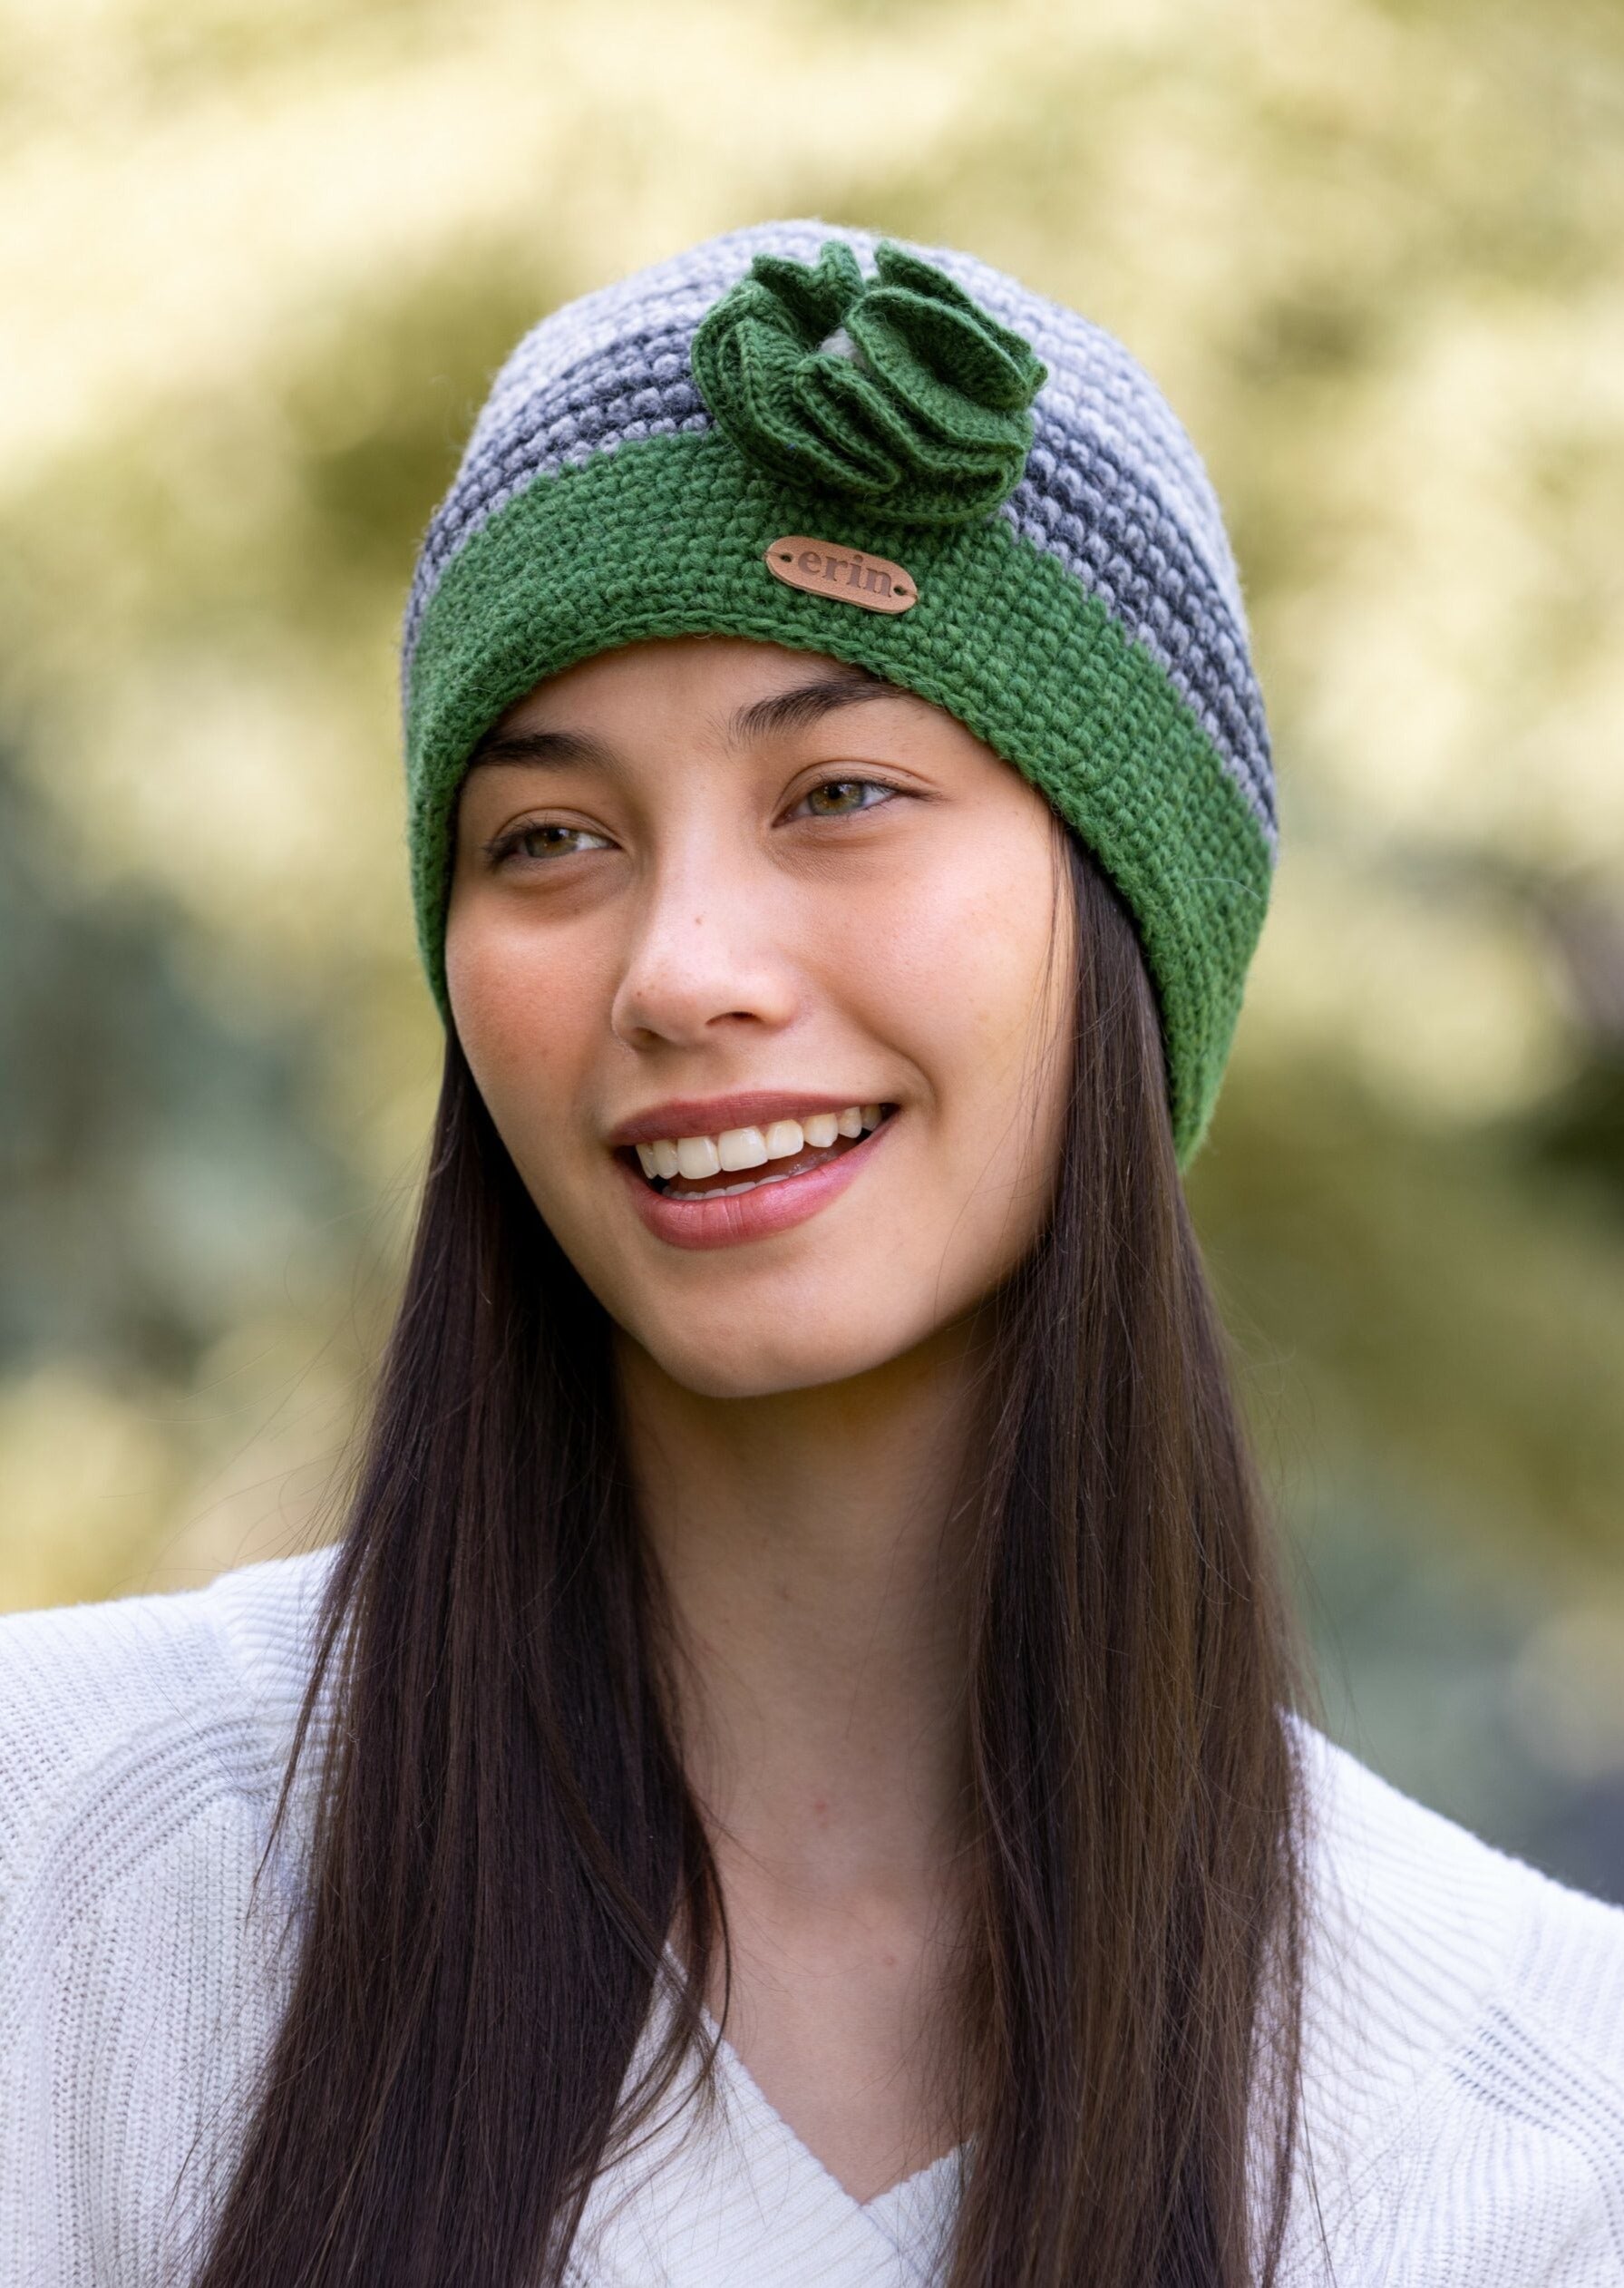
[543, 840]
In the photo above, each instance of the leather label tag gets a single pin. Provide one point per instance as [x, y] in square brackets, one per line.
[820, 568]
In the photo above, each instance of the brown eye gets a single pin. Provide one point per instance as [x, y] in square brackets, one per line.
[840, 798]
[545, 839]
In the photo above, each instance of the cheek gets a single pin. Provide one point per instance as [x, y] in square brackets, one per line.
[529, 1018]
[968, 975]
[971, 977]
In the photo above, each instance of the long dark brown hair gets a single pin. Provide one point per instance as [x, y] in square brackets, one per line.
[504, 1842]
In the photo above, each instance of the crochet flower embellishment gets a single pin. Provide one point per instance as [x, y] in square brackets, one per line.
[898, 390]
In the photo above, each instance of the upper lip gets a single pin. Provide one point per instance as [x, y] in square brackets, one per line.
[712, 1116]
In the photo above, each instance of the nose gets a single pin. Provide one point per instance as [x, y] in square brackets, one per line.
[708, 954]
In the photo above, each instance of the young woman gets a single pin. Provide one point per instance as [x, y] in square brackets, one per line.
[790, 1775]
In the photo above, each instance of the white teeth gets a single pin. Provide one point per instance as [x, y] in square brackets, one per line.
[698, 1156]
[744, 1147]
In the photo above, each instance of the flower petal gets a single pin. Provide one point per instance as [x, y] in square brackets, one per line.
[898, 390]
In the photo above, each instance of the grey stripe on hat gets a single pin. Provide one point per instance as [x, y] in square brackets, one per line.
[614, 395]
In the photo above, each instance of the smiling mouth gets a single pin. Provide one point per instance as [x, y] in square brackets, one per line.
[745, 1159]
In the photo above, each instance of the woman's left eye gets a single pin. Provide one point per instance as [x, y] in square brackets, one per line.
[842, 798]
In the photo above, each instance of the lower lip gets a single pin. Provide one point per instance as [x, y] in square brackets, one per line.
[751, 1215]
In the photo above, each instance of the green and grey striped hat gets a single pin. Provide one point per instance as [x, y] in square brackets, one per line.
[990, 503]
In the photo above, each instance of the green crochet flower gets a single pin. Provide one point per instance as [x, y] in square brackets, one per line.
[897, 390]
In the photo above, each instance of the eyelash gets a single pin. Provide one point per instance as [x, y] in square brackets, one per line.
[506, 846]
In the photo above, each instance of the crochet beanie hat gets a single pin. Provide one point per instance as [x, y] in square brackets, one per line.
[902, 459]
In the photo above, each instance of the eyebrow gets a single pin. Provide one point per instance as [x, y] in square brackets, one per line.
[537, 746]
[795, 710]
[806, 704]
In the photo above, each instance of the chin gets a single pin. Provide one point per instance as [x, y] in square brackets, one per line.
[763, 1362]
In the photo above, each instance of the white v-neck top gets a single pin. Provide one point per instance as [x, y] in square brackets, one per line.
[1463, 2069]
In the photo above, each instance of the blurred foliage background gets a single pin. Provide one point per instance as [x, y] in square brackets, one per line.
[258, 259]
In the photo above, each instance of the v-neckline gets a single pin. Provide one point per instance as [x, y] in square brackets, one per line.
[896, 2195]
[731, 2195]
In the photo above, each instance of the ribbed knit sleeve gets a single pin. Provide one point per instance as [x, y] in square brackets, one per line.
[141, 1745]
[1463, 2098]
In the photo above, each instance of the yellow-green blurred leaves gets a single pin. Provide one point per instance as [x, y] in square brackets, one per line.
[258, 263]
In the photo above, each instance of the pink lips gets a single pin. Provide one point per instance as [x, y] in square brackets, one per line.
[699, 1223]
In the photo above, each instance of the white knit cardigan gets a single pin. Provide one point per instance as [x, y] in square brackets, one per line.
[1463, 2090]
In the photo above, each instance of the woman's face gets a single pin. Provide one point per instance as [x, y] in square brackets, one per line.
[721, 900]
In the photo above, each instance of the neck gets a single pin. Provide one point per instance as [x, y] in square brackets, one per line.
[811, 1543]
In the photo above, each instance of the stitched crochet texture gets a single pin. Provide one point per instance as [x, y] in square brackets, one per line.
[1077, 608]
